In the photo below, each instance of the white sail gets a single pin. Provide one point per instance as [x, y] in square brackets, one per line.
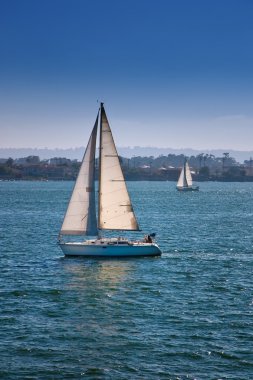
[80, 218]
[182, 179]
[188, 174]
[185, 178]
[115, 208]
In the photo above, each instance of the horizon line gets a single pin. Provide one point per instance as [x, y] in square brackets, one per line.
[129, 147]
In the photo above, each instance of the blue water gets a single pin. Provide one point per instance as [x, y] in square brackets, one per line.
[186, 315]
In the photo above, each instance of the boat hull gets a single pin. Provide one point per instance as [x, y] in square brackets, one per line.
[106, 250]
[188, 188]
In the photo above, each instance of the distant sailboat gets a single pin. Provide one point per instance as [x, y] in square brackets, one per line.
[115, 211]
[185, 179]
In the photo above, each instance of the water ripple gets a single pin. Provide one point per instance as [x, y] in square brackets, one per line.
[186, 315]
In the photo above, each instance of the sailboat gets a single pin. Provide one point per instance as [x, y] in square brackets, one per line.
[115, 211]
[185, 179]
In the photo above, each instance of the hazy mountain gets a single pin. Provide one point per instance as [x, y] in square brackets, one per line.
[77, 153]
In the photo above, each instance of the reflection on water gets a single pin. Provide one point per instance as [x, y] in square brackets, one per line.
[109, 272]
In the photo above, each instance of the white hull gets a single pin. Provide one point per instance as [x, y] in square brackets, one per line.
[98, 249]
[188, 188]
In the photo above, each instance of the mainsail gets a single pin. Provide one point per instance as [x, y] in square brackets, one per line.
[115, 210]
[80, 218]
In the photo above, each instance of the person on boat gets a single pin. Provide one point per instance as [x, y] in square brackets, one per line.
[148, 239]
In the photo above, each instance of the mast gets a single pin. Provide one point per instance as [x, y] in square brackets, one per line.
[99, 169]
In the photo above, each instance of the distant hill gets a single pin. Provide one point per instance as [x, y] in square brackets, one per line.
[77, 153]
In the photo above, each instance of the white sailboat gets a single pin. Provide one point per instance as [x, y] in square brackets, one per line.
[185, 179]
[115, 210]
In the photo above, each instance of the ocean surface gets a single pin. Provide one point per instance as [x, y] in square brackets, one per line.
[186, 315]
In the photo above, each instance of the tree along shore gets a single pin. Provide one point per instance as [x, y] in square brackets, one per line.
[204, 167]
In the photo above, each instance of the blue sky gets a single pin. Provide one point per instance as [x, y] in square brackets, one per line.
[171, 73]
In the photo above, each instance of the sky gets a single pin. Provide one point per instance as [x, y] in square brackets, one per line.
[172, 73]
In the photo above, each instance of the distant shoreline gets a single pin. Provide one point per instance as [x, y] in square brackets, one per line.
[127, 179]
[203, 167]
